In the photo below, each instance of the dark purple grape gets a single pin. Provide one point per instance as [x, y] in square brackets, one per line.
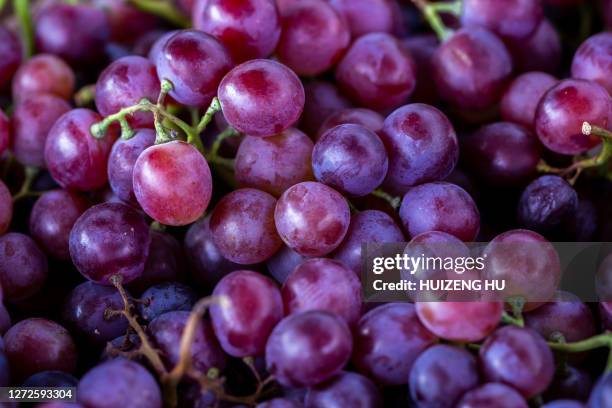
[312, 218]
[5, 322]
[570, 382]
[6, 208]
[539, 52]
[52, 219]
[74, 32]
[564, 404]
[242, 224]
[440, 206]
[388, 340]
[350, 158]
[546, 203]
[377, 72]
[533, 275]
[422, 146]
[283, 263]
[250, 307]
[206, 264]
[314, 37]
[564, 108]
[601, 397]
[121, 162]
[471, 68]
[124, 83]
[275, 163]
[520, 100]
[369, 226]
[326, 285]
[34, 345]
[32, 118]
[422, 47]
[86, 311]
[119, 383]
[5, 132]
[516, 19]
[345, 390]
[127, 23]
[261, 97]
[10, 49]
[441, 375]
[23, 267]
[367, 118]
[502, 153]
[249, 29]
[109, 240]
[164, 264]
[52, 379]
[5, 372]
[195, 63]
[593, 60]
[367, 16]
[308, 348]
[322, 100]
[518, 357]
[43, 74]
[166, 297]
[605, 309]
[492, 395]
[68, 142]
[167, 331]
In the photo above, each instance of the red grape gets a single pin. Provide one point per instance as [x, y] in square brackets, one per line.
[172, 183]
[312, 218]
[377, 72]
[44, 74]
[539, 52]
[110, 239]
[251, 307]
[520, 100]
[10, 49]
[6, 208]
[69, 141]
[249, 29]
[261, 97]
[492, 395]
[195, 63]
[367, 118]
[593, 60]
[562, 111]
[345, 390]
[322, 100]
[308, 348]
[367, 16]
[507, 18]
[23, 266]
[242, 224]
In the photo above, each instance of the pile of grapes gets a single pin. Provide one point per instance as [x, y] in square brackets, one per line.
[185, 188]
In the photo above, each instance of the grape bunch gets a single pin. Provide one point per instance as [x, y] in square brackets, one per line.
[186, 187]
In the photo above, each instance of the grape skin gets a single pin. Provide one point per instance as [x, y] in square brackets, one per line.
[23, 266]
[359, 116]
[492, 394]
[166, 297]
[322, 100]
[367, 16]
[345, 390]
[44, 74]
[520, 100]
[593, 60]
[539, 52]
[516, 19]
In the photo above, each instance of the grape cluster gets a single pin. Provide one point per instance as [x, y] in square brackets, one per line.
[186, 187]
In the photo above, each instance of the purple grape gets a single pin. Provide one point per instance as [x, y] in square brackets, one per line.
[593, 60]
[43, 74]
[345, 390]
[518, 357]
[127, 23]
[539, 52]
[605, 309]
[251, 308]
[308, 348]
[32, 119]
[314, 37]
[516, 19]
[121, 162]
[5, 322]
[166, 297]
[242, 225]
[117, 383]
[350, 158]
[6, 208]
[492, 395]
[367, 16]
[85, 311]
[249, 29]
[167, 331]
[261, 97]
[502, 153]
[53, 379]
[156, 47]
[124, 83]
[471, 68]
[571, 383]
[275, 163]
[195, 63]
[5, 132]
[546, 203]
[34, 345]
[326, 285]
[10, 49]
[377, 72]
[422, 47]
[367, 118]
[322, 100]
[520, 100]
[564, 404]
[23, 267]
[441, 375]
[422, 146]
[440, 206]
[109, 240]
[52, 219]
[564, 108]
[388, 340]
[601, 397]
[312, 218]
[279, 403]
[281, 264]
[369, 226]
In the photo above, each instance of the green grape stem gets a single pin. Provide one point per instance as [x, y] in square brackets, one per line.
[598, 341]
[164, 9]
[431, 12]
[23, 12]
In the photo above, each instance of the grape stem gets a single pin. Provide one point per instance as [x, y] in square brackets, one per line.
[431, 12]
[22, 10]
[164, 9]
[598, 341]
[392, 200]
[24, 191]
[213, 154]
[85, 95]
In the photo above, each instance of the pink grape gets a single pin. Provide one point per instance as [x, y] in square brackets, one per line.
[44, 74]
[367, 16]
[359, 116]
[492, 394]
[509, 19]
